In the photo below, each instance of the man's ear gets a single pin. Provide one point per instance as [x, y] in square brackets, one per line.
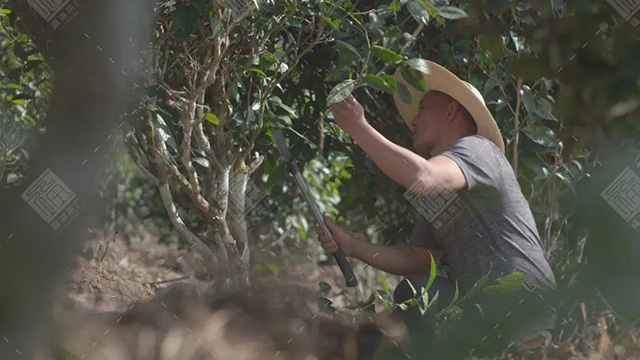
[452, 109]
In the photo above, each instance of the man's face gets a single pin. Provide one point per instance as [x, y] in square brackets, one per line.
[429, 124]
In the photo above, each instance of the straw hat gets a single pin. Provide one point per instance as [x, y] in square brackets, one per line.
[440, 79]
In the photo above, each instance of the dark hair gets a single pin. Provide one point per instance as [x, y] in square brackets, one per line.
[470, 122]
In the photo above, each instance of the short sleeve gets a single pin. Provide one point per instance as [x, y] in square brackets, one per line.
[480, 160]
[422, 234]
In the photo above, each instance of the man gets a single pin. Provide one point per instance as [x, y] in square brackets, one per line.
[459, 161]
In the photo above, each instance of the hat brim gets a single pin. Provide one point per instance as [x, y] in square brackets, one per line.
[440, 79]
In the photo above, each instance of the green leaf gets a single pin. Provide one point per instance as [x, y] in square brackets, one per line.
[325, 305]
[385, 55]
[216, 25]
[15, 86]
[384, 283]
[527, 99]
[341, 91]
[432, 271]
[537, 166]
[418, 13]
[541, 135]
[386, 299]
[332, 22]
[404, 93]
[518, 41]
[419, 64]
[391, 81]
[506, 284]
[212, 118]
[5, 11]
[367, 304]
[493, 290]
[202, 162]
[476, 287]
[258, 71]
[434, 301]
[324, 287]
[378, 82]
[21, 97]
[424, 304]
[414, 78]
[512, 282]
[276, 100]
[431, 10]
[544, 114]
[452, 13]
[395, 5]
[348, 47]
[31, 64]
[165, 132]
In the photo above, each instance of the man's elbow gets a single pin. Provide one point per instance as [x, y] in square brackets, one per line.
[421, 259]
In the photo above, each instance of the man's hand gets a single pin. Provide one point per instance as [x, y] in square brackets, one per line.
[343, 238]
[348, 114]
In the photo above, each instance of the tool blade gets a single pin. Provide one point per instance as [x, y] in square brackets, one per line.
[281, 145]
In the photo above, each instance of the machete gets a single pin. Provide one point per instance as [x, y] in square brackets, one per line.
[295, 170]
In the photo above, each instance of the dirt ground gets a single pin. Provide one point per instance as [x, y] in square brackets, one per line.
[150, 300]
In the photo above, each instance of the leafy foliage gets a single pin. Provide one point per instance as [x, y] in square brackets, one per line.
[25, 92]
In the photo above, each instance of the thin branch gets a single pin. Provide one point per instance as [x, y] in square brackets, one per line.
[516, 121]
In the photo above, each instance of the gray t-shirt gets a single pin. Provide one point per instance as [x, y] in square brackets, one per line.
[487, 229]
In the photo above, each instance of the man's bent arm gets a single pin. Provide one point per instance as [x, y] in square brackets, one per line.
[404, 166]
[400, 259]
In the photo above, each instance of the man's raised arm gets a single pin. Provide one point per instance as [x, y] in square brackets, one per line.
[402, 165]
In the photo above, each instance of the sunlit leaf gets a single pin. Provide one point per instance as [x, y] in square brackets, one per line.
[258, 71]
[418, 13]
[212, 118]
[432, 271]
[378, 82]
[385, 55]
[202, 162]
[341, 91]
[419, 64]
[395, 5]
[452, 13]
[165, 132]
